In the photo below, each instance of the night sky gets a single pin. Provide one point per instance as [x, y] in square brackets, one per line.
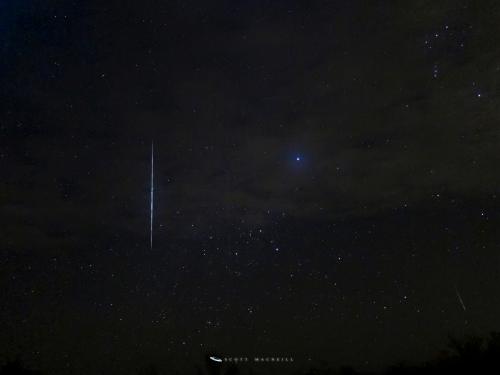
[326, 181]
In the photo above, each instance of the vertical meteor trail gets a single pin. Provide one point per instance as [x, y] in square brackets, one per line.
[460, 298]
[151, 199]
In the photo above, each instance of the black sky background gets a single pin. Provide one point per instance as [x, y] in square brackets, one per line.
[325, 174]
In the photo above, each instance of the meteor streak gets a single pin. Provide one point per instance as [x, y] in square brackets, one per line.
[460, 298]
[151, 199]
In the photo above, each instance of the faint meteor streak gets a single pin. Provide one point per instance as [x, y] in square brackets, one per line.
[151, 198]
[460, 298]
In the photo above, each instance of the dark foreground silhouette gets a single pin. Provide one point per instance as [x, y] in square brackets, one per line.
[470, 355]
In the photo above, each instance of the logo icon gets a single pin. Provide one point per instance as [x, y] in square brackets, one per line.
[215, 359]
